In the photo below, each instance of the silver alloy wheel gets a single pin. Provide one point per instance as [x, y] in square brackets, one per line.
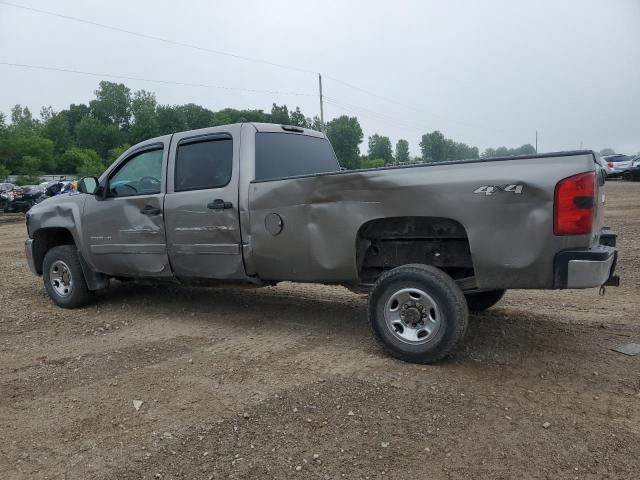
[412, 316]
[60, 278]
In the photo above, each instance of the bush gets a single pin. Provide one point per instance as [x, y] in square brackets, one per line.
[91, 166]
[74, 158]
[28, 180]
[4, 172]
[371, 162]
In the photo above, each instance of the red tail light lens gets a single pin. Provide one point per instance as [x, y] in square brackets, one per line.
[610, 165]
[574, 205]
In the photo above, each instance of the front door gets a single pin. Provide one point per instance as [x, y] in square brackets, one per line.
[201, 205]
[125, 230]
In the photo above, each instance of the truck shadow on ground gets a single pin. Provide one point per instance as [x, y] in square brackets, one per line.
[500, 336]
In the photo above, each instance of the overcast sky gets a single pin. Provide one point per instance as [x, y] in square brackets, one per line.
[486, 72]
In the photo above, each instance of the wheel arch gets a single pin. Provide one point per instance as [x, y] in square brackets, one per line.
[44, 239]
[389, 242]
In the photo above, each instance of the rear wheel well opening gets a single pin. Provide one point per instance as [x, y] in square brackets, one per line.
[47, 238]
[387, 243]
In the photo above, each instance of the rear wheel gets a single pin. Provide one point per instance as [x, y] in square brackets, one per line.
[63, 277]
[478, 302]
[417, 313]
[626, 177]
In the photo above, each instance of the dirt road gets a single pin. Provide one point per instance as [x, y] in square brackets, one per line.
[287, 382]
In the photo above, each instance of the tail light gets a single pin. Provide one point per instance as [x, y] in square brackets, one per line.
[574, 205]
[610, 164]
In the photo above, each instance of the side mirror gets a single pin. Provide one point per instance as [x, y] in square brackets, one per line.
[88, 185]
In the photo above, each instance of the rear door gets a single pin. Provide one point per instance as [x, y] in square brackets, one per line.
[201, 205]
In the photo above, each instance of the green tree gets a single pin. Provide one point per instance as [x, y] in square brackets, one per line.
[380, 147]
[144, 127]
[145, 121]
[402, 151]
[280, 114]
[56, 128]
[74, 114]
[434, 147]
[115, 153]
[4, 172]
[461, 151]
[112, 104]
[368, 162]
[297, 119]
[22, 120]
[91, 165]
[526, 149]
[18, 145]
[314, 123]
[98, 136]
[196, 116]
[345, 134]
[72, 160]
[31, 166]
[171, 119]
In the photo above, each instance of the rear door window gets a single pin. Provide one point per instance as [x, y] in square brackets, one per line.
[281, 155]
[203, 164]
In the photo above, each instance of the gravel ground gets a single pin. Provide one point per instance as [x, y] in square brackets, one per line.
[287, 382]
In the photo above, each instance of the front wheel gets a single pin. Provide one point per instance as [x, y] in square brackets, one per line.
[63, 277]
[417, 313]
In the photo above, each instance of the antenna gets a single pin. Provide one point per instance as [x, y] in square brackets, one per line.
[324, 130]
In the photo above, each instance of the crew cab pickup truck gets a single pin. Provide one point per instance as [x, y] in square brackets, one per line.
[263, 203]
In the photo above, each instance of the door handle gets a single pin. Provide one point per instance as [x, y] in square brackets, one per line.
[150, 210]
[219, 204]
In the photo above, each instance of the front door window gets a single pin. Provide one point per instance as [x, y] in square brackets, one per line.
[139, 176]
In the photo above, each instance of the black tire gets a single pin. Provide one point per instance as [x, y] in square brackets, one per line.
[481, 301]
[446, 297]
[627, 177]
[78, 295]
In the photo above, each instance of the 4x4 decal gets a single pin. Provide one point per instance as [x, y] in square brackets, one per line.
[491, 189]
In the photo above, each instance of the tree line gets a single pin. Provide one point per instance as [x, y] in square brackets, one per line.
[84, 139]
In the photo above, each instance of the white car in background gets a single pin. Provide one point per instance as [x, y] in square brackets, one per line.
[605, 166]
[616, 164]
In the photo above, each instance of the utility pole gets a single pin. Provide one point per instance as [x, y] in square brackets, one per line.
[321, 104]
[536, 141]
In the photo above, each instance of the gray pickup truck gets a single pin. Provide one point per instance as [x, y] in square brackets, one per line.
[262, 203]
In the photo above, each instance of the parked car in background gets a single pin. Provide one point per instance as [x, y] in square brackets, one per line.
[617, 164]
[632, 173]
[20, 199]
[604, 165]
[7, 193]
[27, 198]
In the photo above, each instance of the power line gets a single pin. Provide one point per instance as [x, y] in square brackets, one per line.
[167, 82]
[390, 100]
[358, 109]
[159, 39]
[233, 55]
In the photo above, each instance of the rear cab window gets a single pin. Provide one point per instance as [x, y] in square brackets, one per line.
[281, 155]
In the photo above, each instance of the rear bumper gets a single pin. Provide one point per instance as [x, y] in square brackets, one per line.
[28, 250]
[586, 268]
